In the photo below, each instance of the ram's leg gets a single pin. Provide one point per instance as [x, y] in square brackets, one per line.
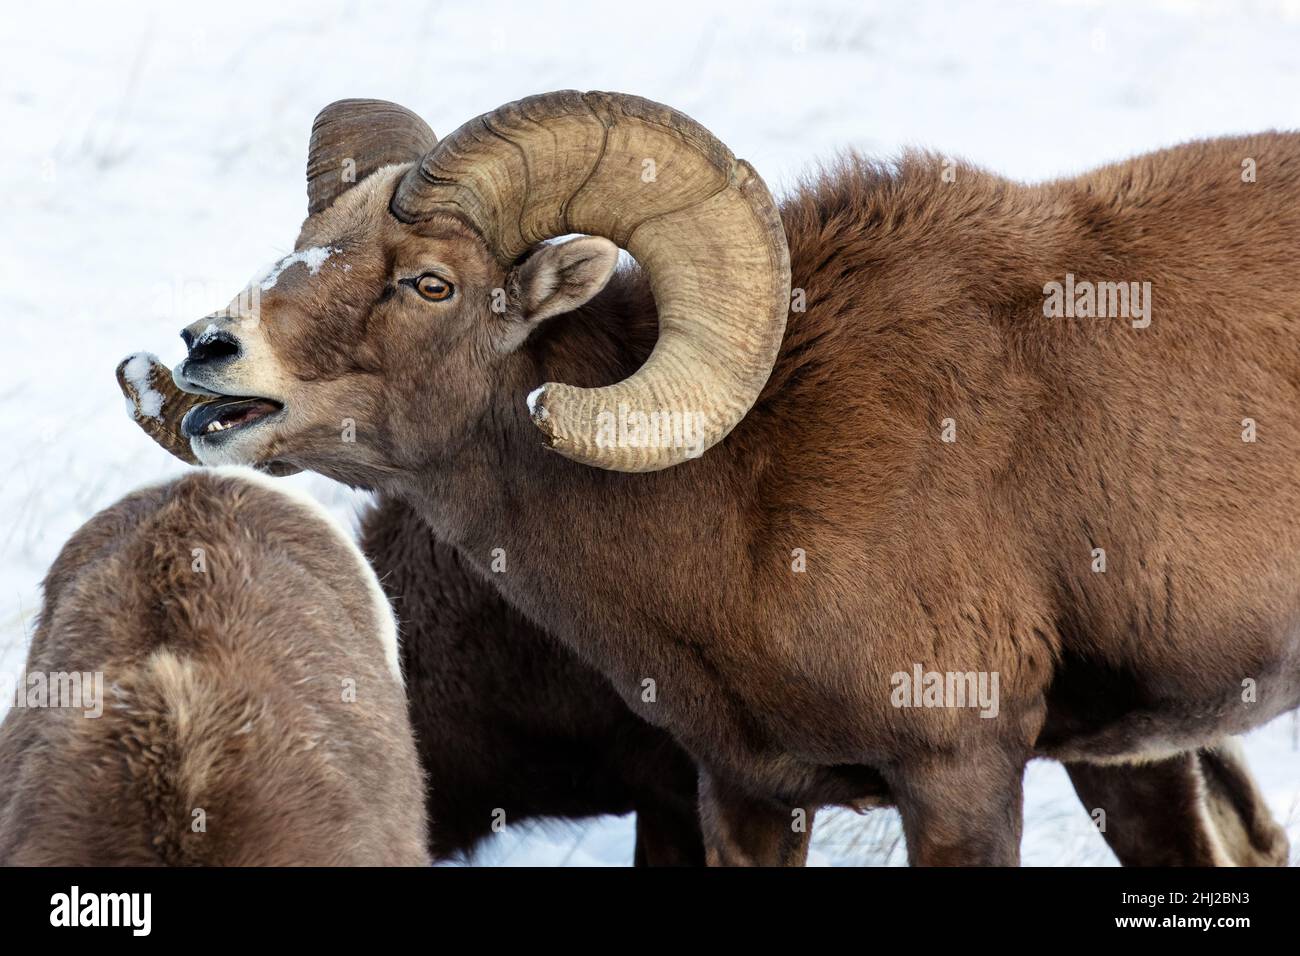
[1199, 808]
[668, 836]
[743, 830]
[1246, 828]
[1153, 813]
[961, 809]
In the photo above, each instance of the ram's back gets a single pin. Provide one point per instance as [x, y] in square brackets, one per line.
[250, 711]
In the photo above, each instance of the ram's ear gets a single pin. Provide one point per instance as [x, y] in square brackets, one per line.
[559, 277]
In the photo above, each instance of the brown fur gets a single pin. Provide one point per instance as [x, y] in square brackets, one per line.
[223, 692]
[924, 302]
[506, 717]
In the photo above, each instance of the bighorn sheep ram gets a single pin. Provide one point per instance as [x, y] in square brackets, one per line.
[759, 530]
[251, 711]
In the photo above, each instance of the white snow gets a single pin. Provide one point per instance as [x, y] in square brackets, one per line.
[532, 398]
[312, 258]
[170, 140]
[149, 402]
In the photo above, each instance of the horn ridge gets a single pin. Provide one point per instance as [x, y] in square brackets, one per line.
[699, 221]
[352, 138]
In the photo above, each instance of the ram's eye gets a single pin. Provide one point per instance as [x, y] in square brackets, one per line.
[434, 287]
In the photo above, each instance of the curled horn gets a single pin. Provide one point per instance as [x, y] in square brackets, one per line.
[701, 222]
[350, 139]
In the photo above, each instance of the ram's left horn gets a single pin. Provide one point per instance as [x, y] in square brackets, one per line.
[155, 402]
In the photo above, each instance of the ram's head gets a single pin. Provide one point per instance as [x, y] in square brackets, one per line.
[423, 267]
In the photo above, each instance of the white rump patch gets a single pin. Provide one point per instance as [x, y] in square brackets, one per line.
[385, 621]
[312, 258]
[149, 403]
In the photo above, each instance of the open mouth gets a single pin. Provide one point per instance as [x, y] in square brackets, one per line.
[227, 415]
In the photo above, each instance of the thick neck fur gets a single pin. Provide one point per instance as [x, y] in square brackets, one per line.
[584, 548]
[858, 252]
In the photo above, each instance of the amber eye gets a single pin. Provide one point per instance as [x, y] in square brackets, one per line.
[434, 287]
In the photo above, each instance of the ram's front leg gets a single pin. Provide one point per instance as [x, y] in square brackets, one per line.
[961, 808]
[743, 830]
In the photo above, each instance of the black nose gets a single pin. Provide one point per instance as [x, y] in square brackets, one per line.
[210, 346]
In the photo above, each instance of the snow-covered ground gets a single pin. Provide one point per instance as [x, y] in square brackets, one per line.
[152, 163]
